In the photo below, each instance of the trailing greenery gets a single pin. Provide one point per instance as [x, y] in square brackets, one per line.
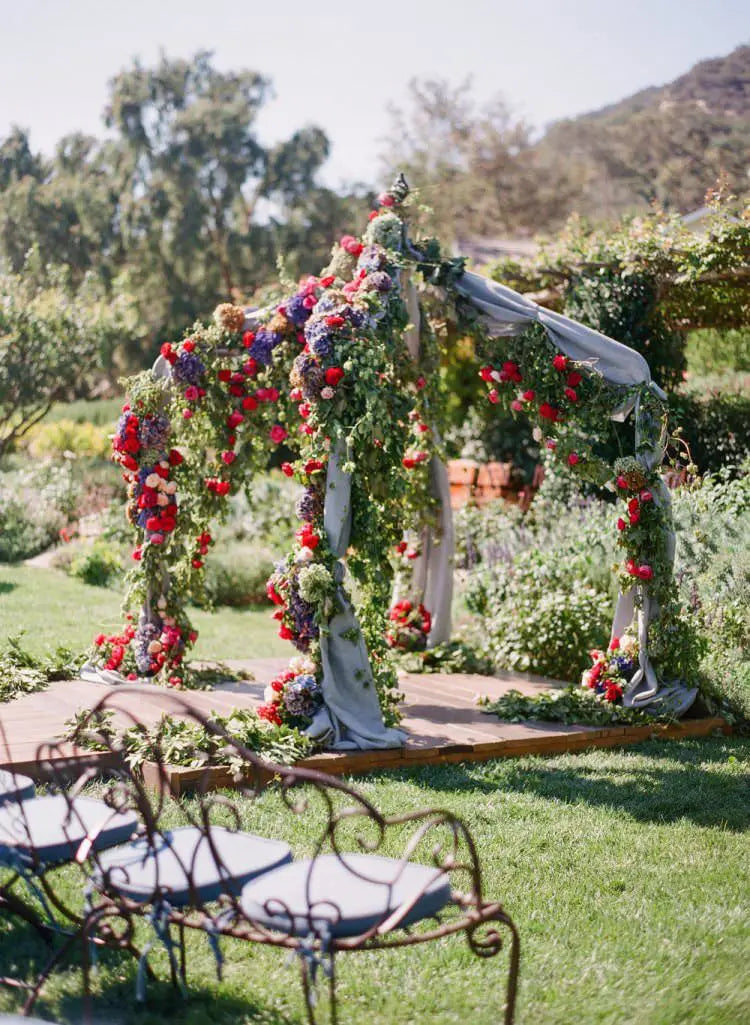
[453, 657]
[177, 742]
[23, 673]
[570, 705]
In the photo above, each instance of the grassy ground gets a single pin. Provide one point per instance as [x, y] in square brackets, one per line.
[626, 872]
[53, 609]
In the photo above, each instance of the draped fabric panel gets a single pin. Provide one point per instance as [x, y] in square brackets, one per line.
[351, 716]
[505, 312]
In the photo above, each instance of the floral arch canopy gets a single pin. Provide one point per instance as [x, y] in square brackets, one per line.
[345, 370]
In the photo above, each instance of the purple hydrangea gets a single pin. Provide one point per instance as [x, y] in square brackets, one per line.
[296, 310]
[309, 505]
[326, 303]
[302, 695]
[264, 344]
[303, 620]
[372, 258]
[188, 368]
[357, 316]
[319, 338]
[147, 632]
[378, 281]
[154, 432]
[624, 665]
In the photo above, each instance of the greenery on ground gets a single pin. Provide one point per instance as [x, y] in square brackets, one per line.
[22, 672]
[568, 705]
[189, 744]
[626, 872]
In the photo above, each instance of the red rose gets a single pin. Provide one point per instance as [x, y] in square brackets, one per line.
[486, 373]
[646, 496]
[196, 563]
[278, 433]
[235, 419]
[420, 383]
[350, 244]
[188, 345]
[621, 524]
[333, 375]
[249, 403]
[238, 390]
[571, 395]
[285, 634]
[493, 396]
[633, 505]
[327, 281]
[622, 483]
[248, 338]
[560, 362]
[229, 457]
[529, 395]
[548, 412]
[335, 320]
[224, 375]
[573, 459]
[645, 572]
[222, 487]
[287, 469]
[574, 379]
[175, 457]
[250, 367]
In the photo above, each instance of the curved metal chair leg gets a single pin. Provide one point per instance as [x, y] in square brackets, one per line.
[307, 989]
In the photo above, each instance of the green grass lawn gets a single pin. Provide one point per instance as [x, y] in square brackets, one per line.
[52, 608]
[626, 872]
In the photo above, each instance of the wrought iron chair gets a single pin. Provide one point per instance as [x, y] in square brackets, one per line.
[192, 867]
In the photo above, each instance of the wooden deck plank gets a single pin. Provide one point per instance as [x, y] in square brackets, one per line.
[442, 719]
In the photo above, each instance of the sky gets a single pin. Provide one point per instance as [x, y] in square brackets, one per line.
[340, 65]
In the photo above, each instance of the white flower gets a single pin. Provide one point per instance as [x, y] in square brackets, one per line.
[305, 555]
[154, 648]
[327, 392]
[170, 487]
[152, 481]
[162, 500]
[537, 434]
[270, 696]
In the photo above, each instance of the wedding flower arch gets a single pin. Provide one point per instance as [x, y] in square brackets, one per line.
[346, 366]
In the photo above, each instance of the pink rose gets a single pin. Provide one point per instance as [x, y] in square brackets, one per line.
[228, 457]
[573, 459]
[278, 433]
[516, 405]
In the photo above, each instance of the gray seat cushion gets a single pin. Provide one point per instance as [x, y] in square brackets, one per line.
[347, 895]
[143, 871]
[53, 828]
[14, 787]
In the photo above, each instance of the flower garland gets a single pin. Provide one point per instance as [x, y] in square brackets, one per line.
[329, 370]
[358, 393]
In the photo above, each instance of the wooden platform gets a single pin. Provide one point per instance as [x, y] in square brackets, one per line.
[442, 719]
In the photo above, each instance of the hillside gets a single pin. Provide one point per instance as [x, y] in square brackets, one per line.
[665, 143]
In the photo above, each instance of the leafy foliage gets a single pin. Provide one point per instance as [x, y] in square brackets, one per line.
[569, 705]
[24, 673]
[177, 742]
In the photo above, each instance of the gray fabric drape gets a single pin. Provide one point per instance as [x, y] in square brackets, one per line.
[431, 573]
[506, 312]
[351, 716]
